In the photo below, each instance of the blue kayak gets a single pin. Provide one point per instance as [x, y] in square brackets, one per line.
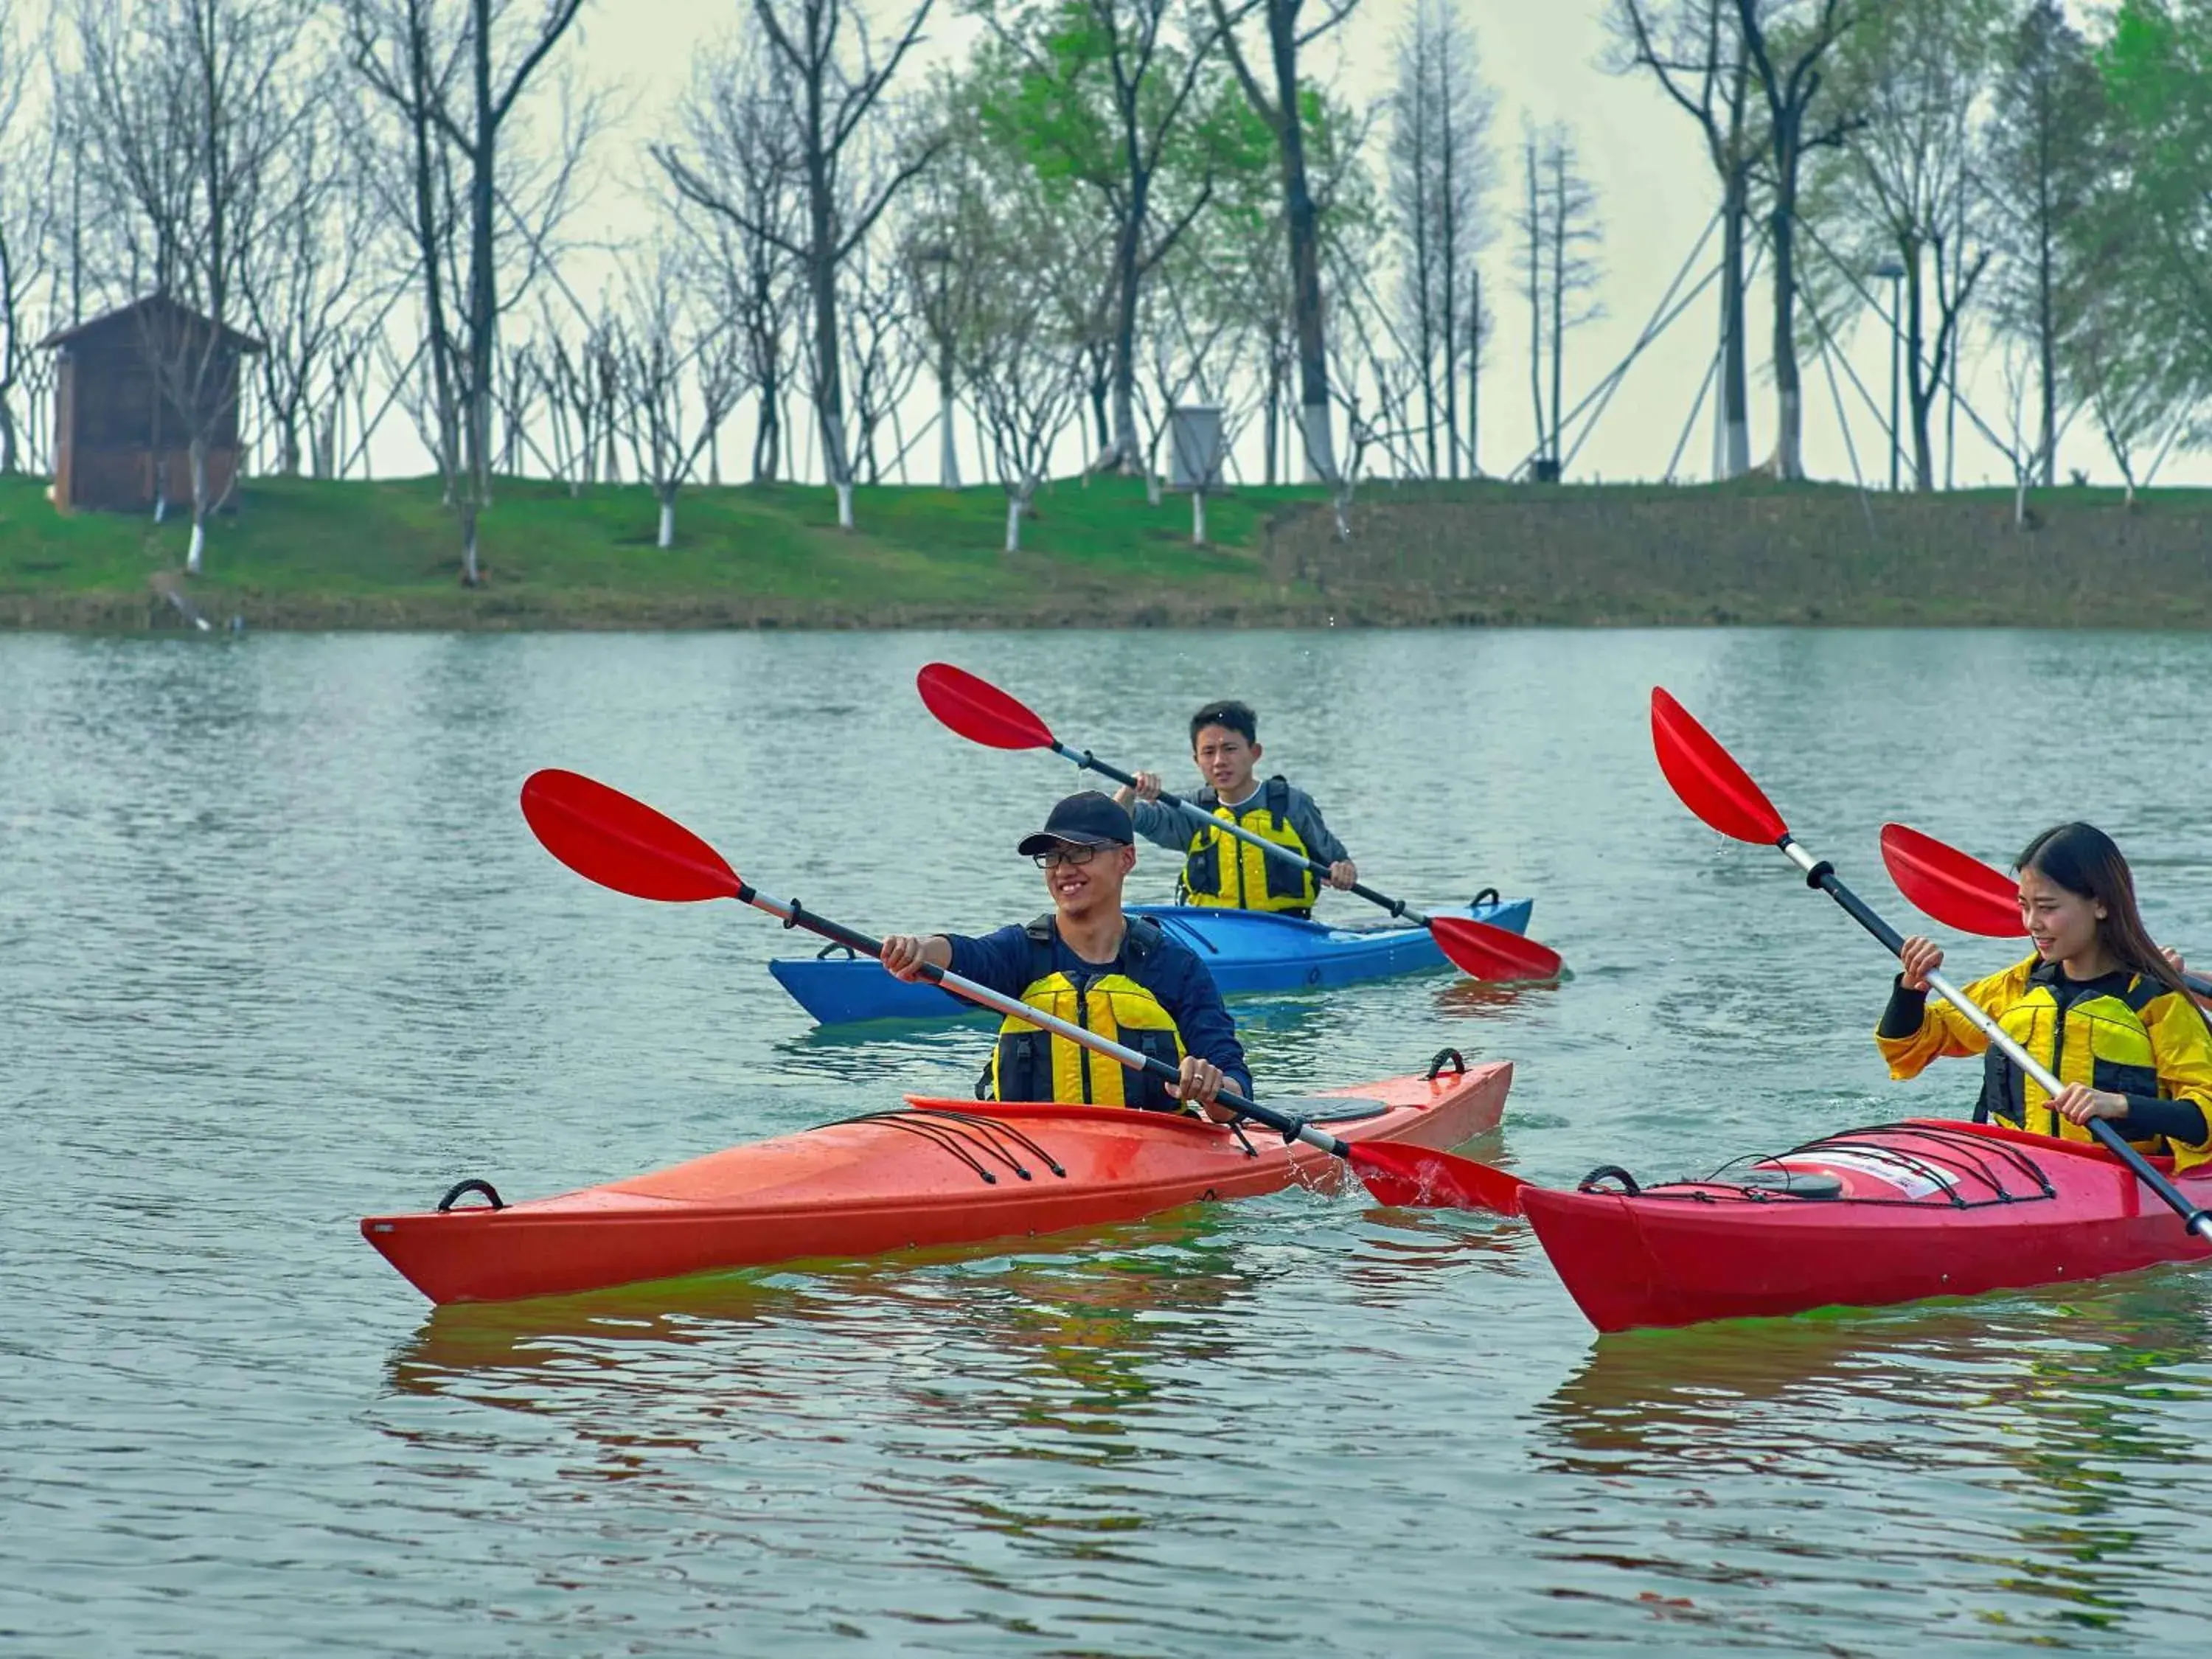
[1247, 950]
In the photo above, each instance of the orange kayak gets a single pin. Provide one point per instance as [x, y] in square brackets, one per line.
[931, 1172]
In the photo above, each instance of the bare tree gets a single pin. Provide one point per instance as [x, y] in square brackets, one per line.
[881, 350]
[580, 380]
[2046, 161]
[736, 122]
[1558, 229]
[1441, 172]
[939, 265]
[680, 375]
[1695, 50]
[455, 74]
[333, 448]
[516, 388]
[181, 108]
[2139, 392]
[2016, 370]
[28, 154]
[1787, 43]
[1914, 78]
[313, 282]
[414, 73]
[834, 72]
[1283, 110]
[1031, 303]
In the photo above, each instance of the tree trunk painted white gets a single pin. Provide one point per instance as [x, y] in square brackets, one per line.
[1198, 518]
[1151, 486]
[667, 522]
[195, 453]
[1319, 442]
[1790, 441]
[844, 504]
[948, 448]
[1013, 524]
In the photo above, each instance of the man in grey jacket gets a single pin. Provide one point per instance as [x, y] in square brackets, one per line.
[1220, 869]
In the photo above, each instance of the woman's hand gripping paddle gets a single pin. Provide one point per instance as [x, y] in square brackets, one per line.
[608, 837]
[981, 713]
[1960, 891]
[1715, 788]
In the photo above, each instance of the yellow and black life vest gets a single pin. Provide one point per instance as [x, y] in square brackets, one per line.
[1231, 874]
[2124, 1033]
[1030, 1063]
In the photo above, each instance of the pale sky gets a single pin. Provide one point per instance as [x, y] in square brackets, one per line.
[1547, 60]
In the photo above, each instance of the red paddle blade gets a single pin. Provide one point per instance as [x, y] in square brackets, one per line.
[1707, 778]
[1957, 891]
[606, 836]
[978, 710]
[1415, 1178]
[1483, 950]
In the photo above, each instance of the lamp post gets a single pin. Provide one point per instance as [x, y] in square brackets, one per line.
[948, 452]
[1895, 274]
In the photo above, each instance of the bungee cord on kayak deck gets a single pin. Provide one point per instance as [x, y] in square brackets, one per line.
[1952, 1161]
[959, 1132]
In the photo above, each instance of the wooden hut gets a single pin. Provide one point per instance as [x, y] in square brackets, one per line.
[128, 388]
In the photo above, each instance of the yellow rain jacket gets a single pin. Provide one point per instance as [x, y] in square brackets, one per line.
[2124, 1033]
[1030, 1063]
[1227, 873]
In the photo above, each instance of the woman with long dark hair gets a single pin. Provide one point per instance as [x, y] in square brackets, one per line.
[2101, 1006]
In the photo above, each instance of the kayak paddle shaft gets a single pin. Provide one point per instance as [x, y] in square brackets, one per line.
[795, 914]
[1820, 874]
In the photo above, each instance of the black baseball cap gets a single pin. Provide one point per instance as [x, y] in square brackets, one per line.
[1088, 819]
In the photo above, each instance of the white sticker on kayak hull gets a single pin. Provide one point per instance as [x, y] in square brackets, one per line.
[1906, 1181]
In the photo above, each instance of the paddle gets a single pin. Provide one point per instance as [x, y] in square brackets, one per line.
[1715, 788]
[608, 837]
[1960, 891]
[981, 713]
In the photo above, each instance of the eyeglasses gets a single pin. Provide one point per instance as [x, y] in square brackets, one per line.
[1066, 853]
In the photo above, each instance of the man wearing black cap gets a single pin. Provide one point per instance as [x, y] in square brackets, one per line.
[1088, 964]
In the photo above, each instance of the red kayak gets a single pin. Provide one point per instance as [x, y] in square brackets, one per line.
[931, 1172]
[1867, 1218]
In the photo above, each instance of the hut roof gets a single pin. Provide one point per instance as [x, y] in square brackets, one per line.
[146, 311]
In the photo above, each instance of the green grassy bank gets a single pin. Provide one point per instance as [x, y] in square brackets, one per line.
[299, 554]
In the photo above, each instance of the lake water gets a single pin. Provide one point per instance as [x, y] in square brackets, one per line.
[277, 950]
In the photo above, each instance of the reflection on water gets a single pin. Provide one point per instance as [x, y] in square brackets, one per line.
[2032, 1425]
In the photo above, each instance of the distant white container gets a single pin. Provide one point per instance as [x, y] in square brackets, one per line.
[1194, 448]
